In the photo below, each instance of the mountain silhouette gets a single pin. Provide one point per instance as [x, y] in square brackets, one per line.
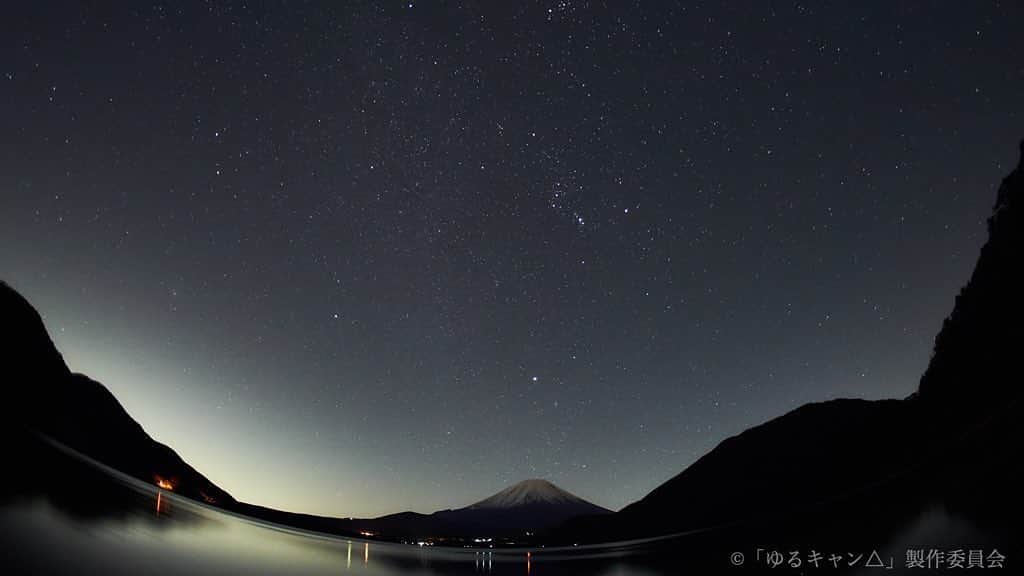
[535, 491]
[530, 506]
[954, 443]
[45, 400]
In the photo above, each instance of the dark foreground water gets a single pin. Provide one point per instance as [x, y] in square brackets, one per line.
[183, 537]
[115, 524]
[119, 525]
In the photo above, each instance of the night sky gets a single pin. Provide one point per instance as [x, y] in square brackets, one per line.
[353, 260]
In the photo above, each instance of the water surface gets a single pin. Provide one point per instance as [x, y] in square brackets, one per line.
[160, 533]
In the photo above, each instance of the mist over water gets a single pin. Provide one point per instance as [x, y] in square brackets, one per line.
[194, 540]
[153, 531]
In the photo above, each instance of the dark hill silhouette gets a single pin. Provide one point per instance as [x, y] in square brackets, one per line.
[810, 455]
[953, 443]
[42, 396]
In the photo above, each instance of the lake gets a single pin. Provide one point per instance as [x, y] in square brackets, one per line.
[161, 533]
[104, 522]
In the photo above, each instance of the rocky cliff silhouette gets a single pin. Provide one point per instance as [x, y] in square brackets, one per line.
[973, 366]
[836, 467]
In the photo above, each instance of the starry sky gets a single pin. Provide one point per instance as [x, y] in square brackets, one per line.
[352, 259]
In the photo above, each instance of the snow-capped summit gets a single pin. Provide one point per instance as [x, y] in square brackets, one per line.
[521, 509]
[532, 491]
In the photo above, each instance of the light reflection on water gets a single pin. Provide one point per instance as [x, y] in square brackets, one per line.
[168, 534]
[123, 526]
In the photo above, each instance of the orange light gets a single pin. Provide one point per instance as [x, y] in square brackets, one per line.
[164, 483]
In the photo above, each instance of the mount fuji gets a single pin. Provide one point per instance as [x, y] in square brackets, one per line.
[533, 505]
[533, 492]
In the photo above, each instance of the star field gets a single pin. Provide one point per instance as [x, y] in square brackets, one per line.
[359, 259]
